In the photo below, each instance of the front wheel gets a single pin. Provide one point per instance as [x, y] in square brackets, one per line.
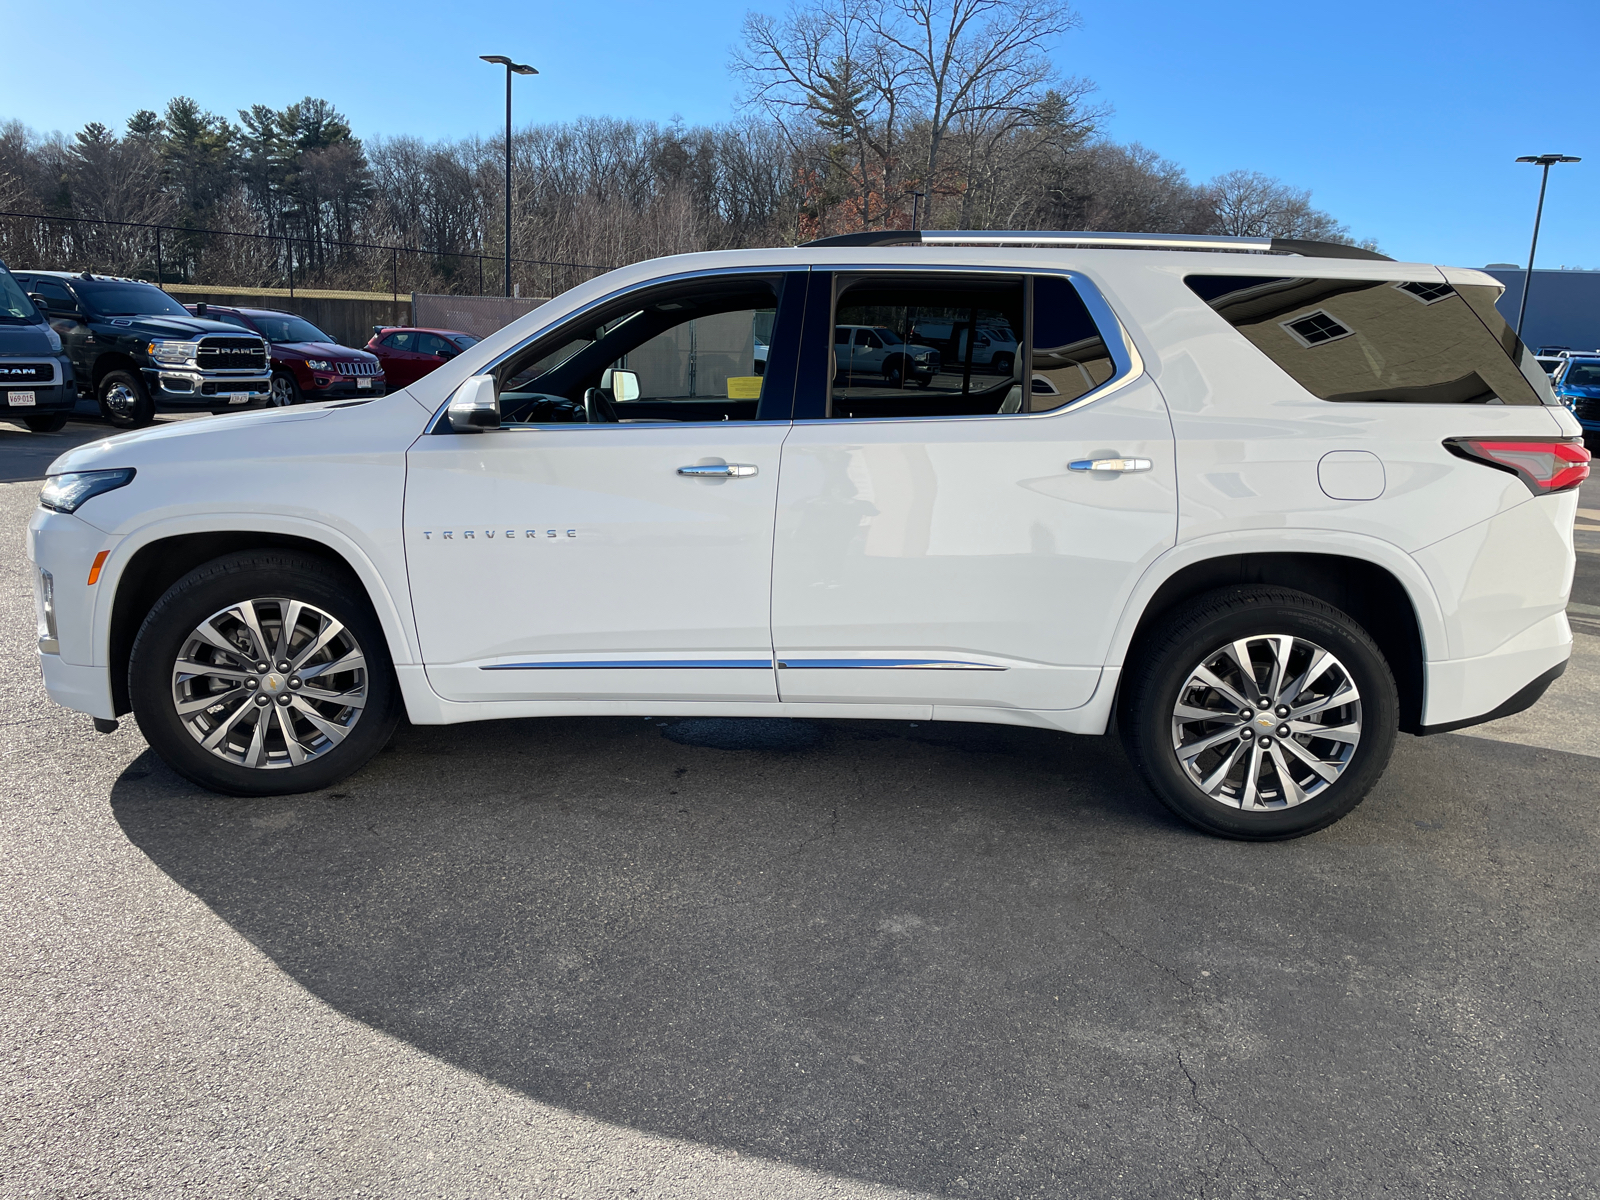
[285, 391]
[263, 673]
[125, 401]
[1260, 713]
[47, 422]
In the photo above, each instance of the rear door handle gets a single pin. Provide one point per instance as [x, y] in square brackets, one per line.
[1110, 464]
[720, 470]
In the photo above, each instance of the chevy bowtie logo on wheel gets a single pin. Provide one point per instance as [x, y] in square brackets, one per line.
[466, 535]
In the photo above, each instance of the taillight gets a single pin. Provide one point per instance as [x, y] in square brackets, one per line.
[1546, 465]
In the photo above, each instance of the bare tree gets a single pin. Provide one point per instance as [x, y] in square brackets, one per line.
[1250, 204]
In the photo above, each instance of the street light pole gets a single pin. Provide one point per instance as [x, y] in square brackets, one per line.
[915, 198]
[1546, 161]
[520, 69]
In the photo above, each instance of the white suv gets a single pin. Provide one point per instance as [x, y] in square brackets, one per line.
[1256, 505]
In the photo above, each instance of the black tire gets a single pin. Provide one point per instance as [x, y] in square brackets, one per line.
[1193, 636]
[228, 581]
[284, 391]
[125, 401]
[47, 422]
[894, 373]
[1003, 364]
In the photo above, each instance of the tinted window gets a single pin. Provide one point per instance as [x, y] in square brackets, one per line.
[1582, 374]
[1356, 340]
[932, 359]
[55, 295]
[289, 329]
[106, 299]
[432, 343]
[465, 340]
[227, 318]
[1070, 358]
[400, 341]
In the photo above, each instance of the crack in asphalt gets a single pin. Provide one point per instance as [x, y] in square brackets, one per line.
[1194, 1094]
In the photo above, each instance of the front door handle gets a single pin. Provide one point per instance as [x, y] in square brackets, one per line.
[720, 470]
[1110, 464]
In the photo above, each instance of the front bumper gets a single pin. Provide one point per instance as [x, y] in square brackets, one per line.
[46, 398]
[82, 689]
[185, 389]
[344, 387]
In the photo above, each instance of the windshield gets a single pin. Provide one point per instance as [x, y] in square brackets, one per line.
[127, 300]
[464, 341]
[1583, 375]
[15, 307]
[289, 329]
[889, 336]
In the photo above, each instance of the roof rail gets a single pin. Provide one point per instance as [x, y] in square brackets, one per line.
[1129, 241]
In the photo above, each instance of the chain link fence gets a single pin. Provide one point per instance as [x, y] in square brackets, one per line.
[220, 257]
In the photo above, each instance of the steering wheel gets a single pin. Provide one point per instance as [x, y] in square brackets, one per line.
[597, 407]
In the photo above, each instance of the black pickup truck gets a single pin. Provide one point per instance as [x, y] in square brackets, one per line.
[36, 384]
[138, 351]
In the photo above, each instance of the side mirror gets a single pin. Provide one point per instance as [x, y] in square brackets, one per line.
[448, 353]
[475, 406]
[623, 385]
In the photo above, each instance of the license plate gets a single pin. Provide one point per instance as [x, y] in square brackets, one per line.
[238, 397]
[21, 400]
[363, 383]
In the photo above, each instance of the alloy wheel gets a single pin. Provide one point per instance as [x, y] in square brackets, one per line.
[282, 393]
[1266, 722]
[270, 683]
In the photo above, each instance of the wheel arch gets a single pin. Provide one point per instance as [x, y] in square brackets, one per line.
[1397, 607]
[147, 563]
[113, 360]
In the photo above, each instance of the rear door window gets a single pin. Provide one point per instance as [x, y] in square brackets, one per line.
[1383, 341]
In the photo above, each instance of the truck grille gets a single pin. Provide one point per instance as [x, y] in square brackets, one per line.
[359, 368]
[14, 372]
[232, 354]
[1586, 408]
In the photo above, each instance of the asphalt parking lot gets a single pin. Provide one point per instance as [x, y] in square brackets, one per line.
[607, 957]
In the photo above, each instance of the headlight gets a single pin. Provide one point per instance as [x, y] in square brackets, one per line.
[67, 493]
[319, 364]
[54, 338]
[173, 352]
[924, 357]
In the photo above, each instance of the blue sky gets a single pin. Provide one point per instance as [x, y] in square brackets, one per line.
[1402, 117]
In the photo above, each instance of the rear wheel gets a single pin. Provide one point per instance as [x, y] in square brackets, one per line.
[263, 673]
[124, 400]
[1261, 713]
[47, 422]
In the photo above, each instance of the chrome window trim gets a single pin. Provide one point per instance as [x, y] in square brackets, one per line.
[1124, 354]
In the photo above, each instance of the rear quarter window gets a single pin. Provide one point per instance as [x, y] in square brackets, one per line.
[1366, 341]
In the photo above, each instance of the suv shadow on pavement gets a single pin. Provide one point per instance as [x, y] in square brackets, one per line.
[964, 959]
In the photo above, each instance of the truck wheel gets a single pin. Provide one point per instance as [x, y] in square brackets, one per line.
[263, 673]
[124, 400]
[47, 422]
[1002, 364]
[285, 391]
[1260, 713]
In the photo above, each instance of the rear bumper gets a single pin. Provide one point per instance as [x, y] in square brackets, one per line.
[1469, 691]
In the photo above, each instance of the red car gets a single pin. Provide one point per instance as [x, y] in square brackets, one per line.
[307, 364]
[408, 354]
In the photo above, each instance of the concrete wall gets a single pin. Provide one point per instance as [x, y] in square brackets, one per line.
[1563, 307]
[478, 315]
[348, 317]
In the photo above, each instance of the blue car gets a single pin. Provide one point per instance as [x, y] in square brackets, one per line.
[1577, 386]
